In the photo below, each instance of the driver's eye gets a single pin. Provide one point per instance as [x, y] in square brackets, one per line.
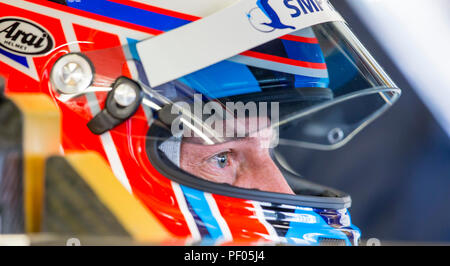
[222, 160]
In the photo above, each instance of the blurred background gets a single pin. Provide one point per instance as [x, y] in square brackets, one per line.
[397, 170]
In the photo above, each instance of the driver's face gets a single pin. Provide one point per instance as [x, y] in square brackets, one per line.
[244, 163]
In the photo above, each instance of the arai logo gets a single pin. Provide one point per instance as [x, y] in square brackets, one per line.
[24, 37]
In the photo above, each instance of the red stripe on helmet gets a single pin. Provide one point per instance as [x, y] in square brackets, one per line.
[284, 60]
[300, 39]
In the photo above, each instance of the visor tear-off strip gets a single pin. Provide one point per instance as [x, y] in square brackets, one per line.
[226, 33]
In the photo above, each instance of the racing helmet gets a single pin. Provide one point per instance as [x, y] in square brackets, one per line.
[190, 101]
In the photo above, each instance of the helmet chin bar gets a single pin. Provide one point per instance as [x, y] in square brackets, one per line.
[121, 103]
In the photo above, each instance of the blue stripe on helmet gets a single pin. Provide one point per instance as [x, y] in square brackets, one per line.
[311, 229]
[19, 59]
[196, 199]
[308, 52]
[223, 79]
[129, 14]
